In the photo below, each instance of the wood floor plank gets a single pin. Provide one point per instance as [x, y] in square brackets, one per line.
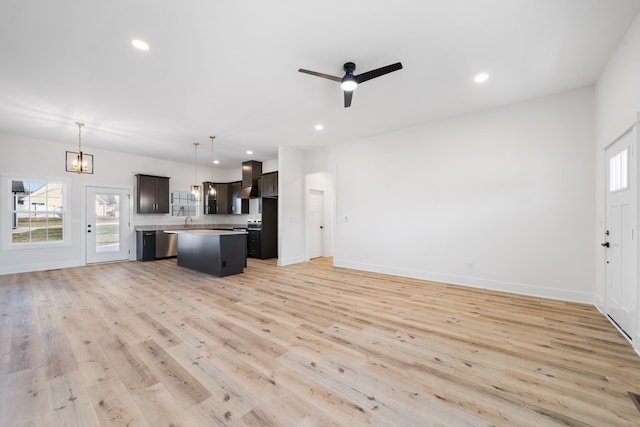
[27, 397]
[114, 406]
[69, 401]
[181, 384]
[154, 344]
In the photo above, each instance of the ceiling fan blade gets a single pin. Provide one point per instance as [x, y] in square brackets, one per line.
[324, 76]
[348, 94]
[378, 72]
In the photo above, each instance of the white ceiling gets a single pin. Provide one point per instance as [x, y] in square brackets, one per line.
[229, 68]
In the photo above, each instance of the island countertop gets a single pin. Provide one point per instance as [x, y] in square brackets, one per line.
[206, 232]
[174, 227]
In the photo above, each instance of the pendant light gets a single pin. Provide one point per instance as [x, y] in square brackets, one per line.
[212, 188]
[195, 189]
[79, 162]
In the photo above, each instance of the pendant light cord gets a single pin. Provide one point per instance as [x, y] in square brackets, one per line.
[195, 145]
[80, 124]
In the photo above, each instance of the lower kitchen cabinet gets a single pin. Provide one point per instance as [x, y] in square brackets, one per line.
[152, 244]
[253, 244]
[145, 245]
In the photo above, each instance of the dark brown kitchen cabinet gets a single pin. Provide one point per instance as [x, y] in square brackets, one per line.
[209, 199]
[152, 194]
[222, 203]
[218, 202]
[269, 185]
[238, 205]
[225, 199]
[262, 242]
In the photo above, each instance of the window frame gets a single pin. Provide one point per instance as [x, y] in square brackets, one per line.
[7, 228]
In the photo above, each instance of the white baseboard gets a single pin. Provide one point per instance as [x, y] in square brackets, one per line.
[598, 302]
[516, 288]
[289, 261]
[25, 268]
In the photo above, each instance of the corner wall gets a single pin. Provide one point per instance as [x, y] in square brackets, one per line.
[291, 221]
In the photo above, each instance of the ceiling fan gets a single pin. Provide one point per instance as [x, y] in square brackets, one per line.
[349, 82]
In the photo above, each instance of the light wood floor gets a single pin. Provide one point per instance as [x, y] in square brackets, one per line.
[153, 344]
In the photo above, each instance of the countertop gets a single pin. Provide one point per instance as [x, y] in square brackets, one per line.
[174, 227]
[206, 232]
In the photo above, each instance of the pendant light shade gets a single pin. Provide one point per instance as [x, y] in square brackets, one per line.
[195, 189]
[212, 188]
[79, 162]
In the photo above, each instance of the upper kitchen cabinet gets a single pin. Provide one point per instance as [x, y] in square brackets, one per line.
[225, 199]
[216, 201]
[238, 205]
[269, 184]
[152, 194]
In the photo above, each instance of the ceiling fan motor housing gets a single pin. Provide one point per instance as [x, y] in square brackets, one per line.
[349, 67]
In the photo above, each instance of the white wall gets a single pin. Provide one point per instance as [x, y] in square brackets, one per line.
[291, 241]
[32, 158]
[617, 103]
[501, 199]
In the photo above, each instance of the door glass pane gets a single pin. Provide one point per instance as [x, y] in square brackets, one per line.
[618, 171]
[107, 222]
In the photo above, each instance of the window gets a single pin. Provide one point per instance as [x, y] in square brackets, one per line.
[37, 211]
[184, 203]
[618, 171]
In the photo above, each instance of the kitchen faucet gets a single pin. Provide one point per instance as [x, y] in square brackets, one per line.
[188, 221]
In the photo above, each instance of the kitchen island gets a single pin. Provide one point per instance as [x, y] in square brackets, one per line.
[216, 252]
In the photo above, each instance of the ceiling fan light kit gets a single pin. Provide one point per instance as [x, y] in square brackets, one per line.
[349, 82]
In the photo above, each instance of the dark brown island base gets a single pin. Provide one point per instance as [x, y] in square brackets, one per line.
[216, 252]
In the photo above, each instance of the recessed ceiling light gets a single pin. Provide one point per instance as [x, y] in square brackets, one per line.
[318, 127]
[249, 152]
[216, 162]
[481, 78]
[139, 44]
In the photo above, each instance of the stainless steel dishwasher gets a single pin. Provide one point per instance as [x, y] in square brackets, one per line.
[166, 244]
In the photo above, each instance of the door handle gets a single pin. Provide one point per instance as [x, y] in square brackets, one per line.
[605, 244]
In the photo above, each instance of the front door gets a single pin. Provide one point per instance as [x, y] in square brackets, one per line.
[108, 226]
[620, 234]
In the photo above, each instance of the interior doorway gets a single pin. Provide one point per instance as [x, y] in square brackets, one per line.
[620, 240]
[315, 223]
[107, 228]
[319, 195]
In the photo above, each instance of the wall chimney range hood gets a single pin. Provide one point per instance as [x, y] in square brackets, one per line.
[251, 172]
